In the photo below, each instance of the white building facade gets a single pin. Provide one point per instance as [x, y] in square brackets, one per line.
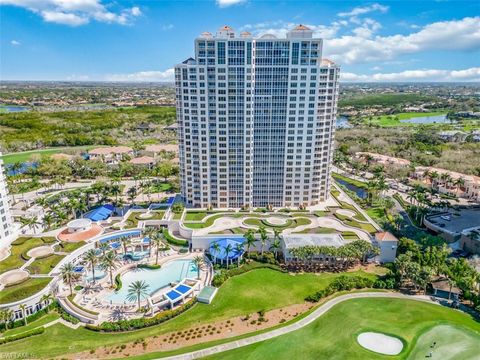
[256, 120]
[7, 229]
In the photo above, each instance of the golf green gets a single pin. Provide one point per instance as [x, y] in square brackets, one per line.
[334, 334]
[451, 343]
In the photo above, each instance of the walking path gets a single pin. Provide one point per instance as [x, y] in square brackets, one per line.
[322, 309]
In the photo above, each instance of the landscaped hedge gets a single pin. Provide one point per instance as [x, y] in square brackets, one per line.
[148, 266]
[134, 324]
[174, 241]
[344, 282]
[118, 282]
[31, 318]
[26, 334]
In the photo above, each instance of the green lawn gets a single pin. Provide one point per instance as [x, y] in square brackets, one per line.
[19, 247]
[195, 215]
[44, 265]
[26, 155]
[134, 218]
[333, 335]
[394, 119]
[23, 290]
[261, 289]
[39, 322]
[69, 246]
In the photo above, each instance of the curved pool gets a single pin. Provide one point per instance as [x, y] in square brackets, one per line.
[157, 279]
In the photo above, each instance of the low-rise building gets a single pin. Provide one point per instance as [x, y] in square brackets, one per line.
[449, 182]
[156, 150]
[111, 155]
[388, 245]
[143, 161]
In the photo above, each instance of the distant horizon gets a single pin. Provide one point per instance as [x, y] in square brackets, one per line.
[141, 41]
[172, 83]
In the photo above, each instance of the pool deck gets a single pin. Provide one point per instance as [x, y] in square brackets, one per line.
[94, 296]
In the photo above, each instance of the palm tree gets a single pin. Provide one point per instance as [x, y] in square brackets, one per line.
[124, 240]
[157, 239]
[46, 299]
[91, 257]
[249, 240]
[69, 275]
[263, 236]
[23, 307]
[198, 261]
[31, 222]
[239, 251]
[137, 290]
[216, 250]
[8, 317]
[460, 182]
[109, 263]
[275, 246]
[228, 249]
[104, 247]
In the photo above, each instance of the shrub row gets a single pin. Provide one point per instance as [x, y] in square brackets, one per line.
[174, 241]
[31, 318]
[26, 334]
[118, 282]
[67, 317]
[224, 275]
[134, 324]
[344, 282]
[148, 266]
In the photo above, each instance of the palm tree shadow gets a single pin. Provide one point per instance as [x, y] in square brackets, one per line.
[117, 314]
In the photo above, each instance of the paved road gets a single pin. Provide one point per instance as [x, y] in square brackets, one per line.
[322, 309]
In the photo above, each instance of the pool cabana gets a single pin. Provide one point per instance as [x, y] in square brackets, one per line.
[179, 293]
[219, 252]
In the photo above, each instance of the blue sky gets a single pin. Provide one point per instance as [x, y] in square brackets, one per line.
[143, 40]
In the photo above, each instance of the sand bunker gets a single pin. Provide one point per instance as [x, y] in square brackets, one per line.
[380, 343]
[40, 251]
[13, 277]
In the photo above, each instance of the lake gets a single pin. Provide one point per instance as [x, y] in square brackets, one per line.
[437, 119]
[342, 123]
[361, 193]
[13, 108]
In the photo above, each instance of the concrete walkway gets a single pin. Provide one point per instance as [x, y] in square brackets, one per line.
[322, 309]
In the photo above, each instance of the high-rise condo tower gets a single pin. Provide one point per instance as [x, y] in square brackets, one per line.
[256, 120]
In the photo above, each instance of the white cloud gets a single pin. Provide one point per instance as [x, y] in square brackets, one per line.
[167, 27]
[15, 43]
[457, 35]
[143, 76]
[226, 3]
[471, 75]
[362, 10]
[280, 29]
[76, 12]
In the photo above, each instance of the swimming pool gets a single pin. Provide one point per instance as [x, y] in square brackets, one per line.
[157, 279]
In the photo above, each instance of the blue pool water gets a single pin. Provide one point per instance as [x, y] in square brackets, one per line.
[174, 271]
[99, 274]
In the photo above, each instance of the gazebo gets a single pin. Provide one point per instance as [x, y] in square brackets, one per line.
[227, 249]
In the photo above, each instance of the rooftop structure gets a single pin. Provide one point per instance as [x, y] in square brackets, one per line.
[256, 119]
